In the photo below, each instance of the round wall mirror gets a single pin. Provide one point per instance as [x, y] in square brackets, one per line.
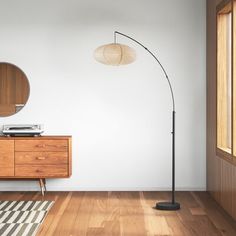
[14, 89]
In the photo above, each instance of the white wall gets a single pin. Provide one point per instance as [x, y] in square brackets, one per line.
[119, 117]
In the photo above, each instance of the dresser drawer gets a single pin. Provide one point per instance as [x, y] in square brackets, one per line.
[42, 171]
[41, 145]
[50, 158]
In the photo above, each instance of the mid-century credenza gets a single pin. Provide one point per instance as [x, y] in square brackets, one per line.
[39, 158]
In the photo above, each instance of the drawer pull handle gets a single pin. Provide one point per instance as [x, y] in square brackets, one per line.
[50, 145]
[40, 145]
[39, 171]
[40, 158]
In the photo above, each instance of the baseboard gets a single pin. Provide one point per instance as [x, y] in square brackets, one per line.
[52, 188]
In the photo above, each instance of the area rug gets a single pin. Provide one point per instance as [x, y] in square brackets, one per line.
[22, 218]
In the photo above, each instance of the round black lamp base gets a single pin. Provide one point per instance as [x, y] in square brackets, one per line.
[168, 206]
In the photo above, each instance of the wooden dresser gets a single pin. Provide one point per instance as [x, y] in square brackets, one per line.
[35, 158]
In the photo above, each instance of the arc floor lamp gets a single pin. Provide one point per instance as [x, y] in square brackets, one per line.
[120, 54]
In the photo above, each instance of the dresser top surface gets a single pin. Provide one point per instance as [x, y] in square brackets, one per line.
[38, 137]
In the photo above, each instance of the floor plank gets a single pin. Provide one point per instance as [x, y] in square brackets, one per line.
[129, 213]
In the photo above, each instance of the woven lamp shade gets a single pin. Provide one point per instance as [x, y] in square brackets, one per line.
[115, 54]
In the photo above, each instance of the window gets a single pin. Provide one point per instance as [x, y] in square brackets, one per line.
[226, 84]
[224, 78]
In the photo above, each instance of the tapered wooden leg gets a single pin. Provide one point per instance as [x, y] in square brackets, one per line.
[44, 183]
[41, 184]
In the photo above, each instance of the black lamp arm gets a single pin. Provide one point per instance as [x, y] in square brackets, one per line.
[163, 69]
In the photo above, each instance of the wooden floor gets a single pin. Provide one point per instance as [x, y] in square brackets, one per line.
[129, 213]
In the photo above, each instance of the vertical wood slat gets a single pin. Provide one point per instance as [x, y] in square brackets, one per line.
[234, 192]
[226, 186]
[217, 179]
[234, 75]
[211, 95]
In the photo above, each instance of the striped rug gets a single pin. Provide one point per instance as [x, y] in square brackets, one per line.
[22, 218]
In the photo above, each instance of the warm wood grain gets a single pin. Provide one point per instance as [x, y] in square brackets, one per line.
[129, 214]
[46, 158]
[211, 95]
[220, 168]
[220, 220]
[218, 183]
[7, 109]
[14, 88]
[226, 186]
[234, 192]
[234, 75]
[157, 224]
[223, 81]
[7, 158]
[223, 6]
[35, 157]
[35, 145]
[69, 215]
[131, 218]
[70, 155]
[41, 171]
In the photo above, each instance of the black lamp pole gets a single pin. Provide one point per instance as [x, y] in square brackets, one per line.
[172, 205]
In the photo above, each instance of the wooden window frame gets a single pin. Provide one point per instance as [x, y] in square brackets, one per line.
[227, 6]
